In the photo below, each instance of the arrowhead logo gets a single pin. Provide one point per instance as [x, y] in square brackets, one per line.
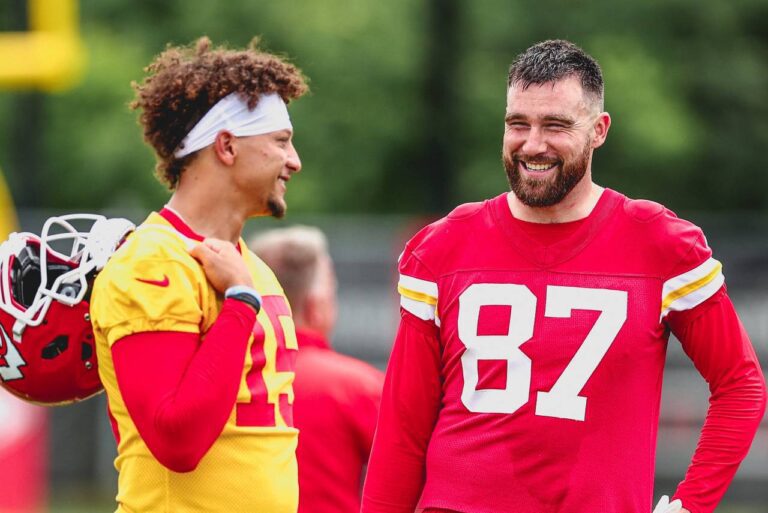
[12, 360]
[160, 283]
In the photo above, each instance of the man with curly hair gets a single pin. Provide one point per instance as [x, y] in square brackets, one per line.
[198, 365]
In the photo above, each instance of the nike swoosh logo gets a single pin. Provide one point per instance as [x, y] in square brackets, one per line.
[160, 283]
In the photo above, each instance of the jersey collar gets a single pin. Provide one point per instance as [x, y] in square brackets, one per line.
[545, 253]
[179, 224]
[175, 220]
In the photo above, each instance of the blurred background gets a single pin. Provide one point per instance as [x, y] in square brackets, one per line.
[404, 122]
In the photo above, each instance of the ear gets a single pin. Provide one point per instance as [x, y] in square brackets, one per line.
[602, 124]
[311, 311]
[225, 147]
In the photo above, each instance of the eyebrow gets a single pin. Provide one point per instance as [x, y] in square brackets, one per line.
[513, 116]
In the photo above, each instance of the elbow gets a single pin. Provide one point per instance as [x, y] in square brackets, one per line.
[178, 450]
[177, 457]
[763, 397]
[759, 391]
[177, 444]
[181, 463]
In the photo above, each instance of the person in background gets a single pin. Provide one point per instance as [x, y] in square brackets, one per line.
[526, 371]
[193, 333]
[337, 397]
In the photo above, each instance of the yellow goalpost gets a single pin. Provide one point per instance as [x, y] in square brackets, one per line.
[50, 55]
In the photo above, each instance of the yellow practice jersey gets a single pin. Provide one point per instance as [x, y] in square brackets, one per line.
[251, 467]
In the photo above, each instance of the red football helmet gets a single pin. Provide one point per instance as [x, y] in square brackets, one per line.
[47, 352]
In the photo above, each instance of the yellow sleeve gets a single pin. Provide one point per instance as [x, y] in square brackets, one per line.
[140, 293]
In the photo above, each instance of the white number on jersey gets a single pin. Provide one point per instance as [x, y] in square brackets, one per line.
[563, 400]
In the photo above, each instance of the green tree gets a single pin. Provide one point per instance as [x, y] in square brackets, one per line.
[407, 99]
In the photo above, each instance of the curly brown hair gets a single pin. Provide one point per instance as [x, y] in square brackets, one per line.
[184, 82]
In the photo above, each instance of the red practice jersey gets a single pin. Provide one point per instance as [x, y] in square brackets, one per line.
[526, 374]
[335, 410]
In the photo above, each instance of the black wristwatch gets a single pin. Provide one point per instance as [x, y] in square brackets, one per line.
[245, 294]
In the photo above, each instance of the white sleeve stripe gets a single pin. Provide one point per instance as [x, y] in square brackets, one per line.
[421, 310]
[428, 288]
[675, 285]
[696, 296]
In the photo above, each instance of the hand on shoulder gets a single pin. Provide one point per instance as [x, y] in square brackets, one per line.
[224, 266]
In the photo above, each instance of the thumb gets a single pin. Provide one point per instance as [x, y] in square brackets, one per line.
[216, 245]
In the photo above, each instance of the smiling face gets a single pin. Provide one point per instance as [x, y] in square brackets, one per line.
[264, 166]
[550, 132]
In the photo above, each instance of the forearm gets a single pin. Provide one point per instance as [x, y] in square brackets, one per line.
[181, 399]
[721, 351]
[732, 420]
[409, 407]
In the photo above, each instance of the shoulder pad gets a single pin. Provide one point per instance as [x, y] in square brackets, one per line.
[643, 210]
[465, 210]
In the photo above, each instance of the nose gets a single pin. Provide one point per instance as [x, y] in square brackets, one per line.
[534, 143]
[294, 162]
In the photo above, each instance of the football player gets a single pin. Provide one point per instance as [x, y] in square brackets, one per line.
[337, 397]
[526, 372]
[193, 333]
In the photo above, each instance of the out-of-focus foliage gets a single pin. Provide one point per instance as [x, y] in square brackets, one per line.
[686, 85]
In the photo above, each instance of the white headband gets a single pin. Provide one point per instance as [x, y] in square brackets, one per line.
[232, 113]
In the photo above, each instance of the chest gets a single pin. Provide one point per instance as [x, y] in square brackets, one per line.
[512, 336]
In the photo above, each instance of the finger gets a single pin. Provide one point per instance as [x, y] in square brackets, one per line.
[201, 252]
[217, 245]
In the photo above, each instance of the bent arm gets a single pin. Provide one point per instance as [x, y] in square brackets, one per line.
[409, 408]
[180, 390]
[715, 340]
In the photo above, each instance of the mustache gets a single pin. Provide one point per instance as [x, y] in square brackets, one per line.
[535, 159]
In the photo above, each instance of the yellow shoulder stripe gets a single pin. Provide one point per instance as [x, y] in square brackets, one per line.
[417, 296]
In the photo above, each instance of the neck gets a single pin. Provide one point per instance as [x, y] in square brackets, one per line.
[578, 204]
[203, 203]
[303, 325]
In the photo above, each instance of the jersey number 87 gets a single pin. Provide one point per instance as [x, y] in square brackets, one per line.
[562, 400]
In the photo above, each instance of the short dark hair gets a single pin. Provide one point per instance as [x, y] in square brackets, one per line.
[184, 82]
[553, 60]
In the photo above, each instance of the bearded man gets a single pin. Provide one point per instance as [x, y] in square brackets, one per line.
[527, 368]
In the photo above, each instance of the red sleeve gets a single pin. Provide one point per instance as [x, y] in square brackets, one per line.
[409, 407]
[180, 390]
[715, 340]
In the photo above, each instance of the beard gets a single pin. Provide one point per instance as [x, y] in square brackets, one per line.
[276, 208]
[535, 192]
